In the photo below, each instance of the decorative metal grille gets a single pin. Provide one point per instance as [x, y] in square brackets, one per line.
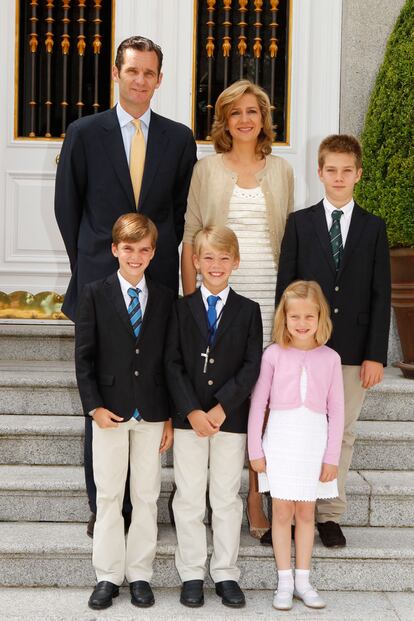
[64, 63]
[239, 39]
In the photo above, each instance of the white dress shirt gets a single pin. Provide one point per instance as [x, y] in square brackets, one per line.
[143, 296]
[128, 129]
[223, 295]
[345, 220]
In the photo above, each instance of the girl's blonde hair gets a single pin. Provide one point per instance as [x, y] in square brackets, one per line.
[302, 290]
[220, 135]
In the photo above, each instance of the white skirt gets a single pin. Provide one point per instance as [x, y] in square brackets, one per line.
[294, 444]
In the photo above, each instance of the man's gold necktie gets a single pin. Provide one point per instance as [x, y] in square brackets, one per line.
[137, 159]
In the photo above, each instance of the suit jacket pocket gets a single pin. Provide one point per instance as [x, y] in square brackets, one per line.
[106, 380]
[363, 319]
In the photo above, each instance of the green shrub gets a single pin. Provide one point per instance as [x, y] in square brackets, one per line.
[387, 184]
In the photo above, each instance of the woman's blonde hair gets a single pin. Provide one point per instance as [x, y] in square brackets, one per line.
[220, 135]
[303, 290]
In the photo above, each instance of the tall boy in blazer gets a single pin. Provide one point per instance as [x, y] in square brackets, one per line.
[119, 346]
[213, 354]
[345, 249]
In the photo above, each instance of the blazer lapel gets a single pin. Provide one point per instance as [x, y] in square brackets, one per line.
[230, 310]
[114, 293]
[114, 147]
[356, 227]
[156, 147]
[197, 308]
[148, 309]
[321, 229]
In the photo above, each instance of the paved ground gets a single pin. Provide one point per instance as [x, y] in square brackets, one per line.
[71, 605]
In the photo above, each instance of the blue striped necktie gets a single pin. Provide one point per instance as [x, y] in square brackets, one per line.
[336, 237]
[135, 317]
[134, 310]
[212, 315]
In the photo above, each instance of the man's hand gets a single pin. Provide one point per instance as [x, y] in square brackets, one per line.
[216, 415]
[105, 418]
[328, 473]
[167, 436]
[200, 423]
[371, 373]
[258, 465]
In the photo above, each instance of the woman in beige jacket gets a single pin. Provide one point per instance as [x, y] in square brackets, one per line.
[246, 188]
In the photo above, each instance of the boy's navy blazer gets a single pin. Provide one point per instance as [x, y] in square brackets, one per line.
[115, 369]
[233, 362]
[359, 294]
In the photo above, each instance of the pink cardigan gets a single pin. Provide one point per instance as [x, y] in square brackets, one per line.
[279, 387]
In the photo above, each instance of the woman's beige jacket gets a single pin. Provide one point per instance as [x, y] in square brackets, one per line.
[212, 186]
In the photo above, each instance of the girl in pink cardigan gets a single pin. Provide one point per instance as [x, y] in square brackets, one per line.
[297, 458]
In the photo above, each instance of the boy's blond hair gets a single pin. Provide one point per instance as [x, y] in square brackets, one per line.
[132, 227]
[218, 237]
[220, 135]
[303, 290]
[340, 143]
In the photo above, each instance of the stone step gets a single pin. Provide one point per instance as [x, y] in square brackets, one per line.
[37, 340]
[44, 604]
[45, 554]
[39, 387]
[58, 440]
[49, 387]
[57, 494]
[392, 400]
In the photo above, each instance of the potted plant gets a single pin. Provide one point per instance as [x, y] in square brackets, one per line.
[387, 184]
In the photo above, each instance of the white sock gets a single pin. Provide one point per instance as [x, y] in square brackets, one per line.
[285, 580]
[302, 583]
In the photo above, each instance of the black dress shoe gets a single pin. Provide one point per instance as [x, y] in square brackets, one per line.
[230, 593]
[91, 525]
[141, 594]
[192, 593]
[331, 534]
[102, 595]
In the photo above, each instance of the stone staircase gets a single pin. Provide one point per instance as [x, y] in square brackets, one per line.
[43, 505]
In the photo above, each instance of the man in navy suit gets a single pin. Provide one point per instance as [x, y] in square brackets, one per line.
[93, 181]
[94, 186]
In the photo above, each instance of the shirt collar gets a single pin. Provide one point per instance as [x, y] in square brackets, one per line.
[346, 209]
[125, 285]
[223, 295]
[124, 117]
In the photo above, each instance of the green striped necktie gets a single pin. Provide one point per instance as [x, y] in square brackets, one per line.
[336, 237]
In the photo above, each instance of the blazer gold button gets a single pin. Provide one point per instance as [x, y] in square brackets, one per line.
[336, 310]
[337, 288]
[210, 382]
[136, 373]
[211, 361]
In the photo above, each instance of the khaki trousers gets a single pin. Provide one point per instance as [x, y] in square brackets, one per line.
[331, 509]
[138, 444]
[225, 453]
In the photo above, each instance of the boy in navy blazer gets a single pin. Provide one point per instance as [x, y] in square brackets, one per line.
[213, 353]
[119, 345]
[345, 249]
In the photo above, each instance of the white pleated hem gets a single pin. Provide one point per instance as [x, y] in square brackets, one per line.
[294, 444]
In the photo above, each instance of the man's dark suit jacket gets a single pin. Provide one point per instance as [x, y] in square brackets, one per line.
[114, 369]
[233, 363]
[93, 188]
[359, 294]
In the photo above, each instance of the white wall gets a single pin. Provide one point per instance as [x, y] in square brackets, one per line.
[32, 255]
